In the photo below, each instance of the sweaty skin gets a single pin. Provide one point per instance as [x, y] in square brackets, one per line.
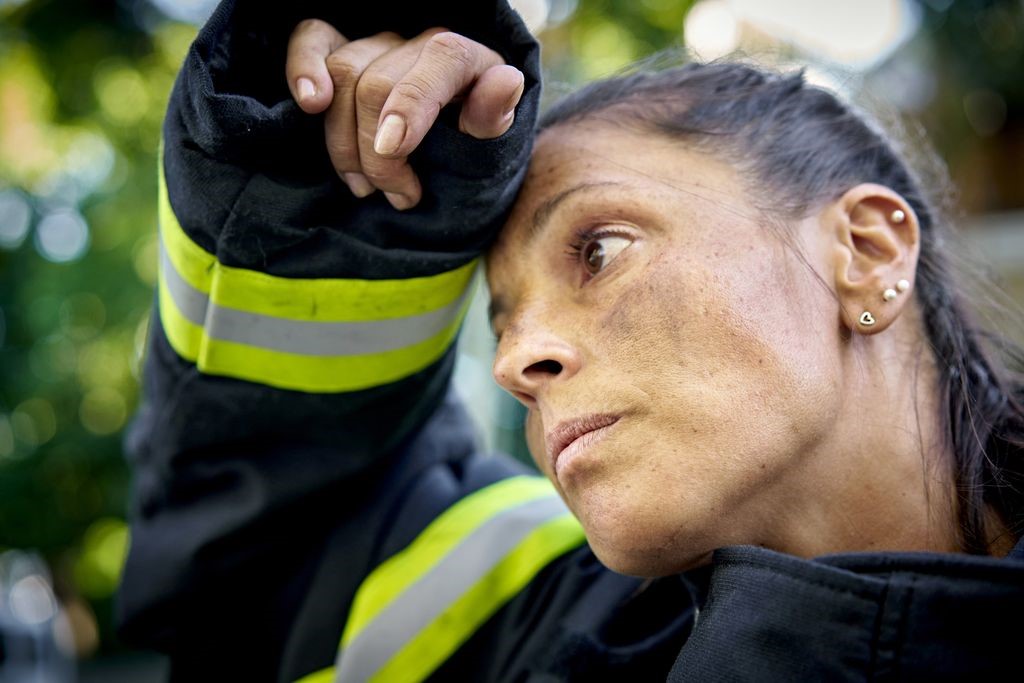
[747, 411]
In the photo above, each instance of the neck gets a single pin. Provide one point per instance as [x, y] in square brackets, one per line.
[881, 480]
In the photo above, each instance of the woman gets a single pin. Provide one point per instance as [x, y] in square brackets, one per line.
[721, 295]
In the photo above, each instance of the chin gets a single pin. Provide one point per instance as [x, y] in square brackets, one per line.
[636, 548]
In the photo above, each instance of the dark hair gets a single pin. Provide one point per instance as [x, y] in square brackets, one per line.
[806, 146]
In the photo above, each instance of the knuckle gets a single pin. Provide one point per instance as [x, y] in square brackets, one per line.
[344, 156]
[384, 173]
[451, 47]
[415, 92]
[308, 26]
[383, 179]
[342, 69]
[389, 38]
[373, 89]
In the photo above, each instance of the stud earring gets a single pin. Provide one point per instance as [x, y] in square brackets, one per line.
[889, 294]
[898, 216]
[866, 319]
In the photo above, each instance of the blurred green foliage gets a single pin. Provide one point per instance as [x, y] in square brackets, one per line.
[82, 92]
[976, 118]
[602, 36]
[83, 87]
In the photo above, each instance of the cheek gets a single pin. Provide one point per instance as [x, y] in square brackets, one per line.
[734, 387]
[738, 379]
[535, 440]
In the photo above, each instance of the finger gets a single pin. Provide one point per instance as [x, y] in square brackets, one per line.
[448, 65]
[345, 66]
[490, 106]
[392, 175]
[308, 47]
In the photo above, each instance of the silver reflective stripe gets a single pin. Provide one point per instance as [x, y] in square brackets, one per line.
[422, 602]
[304, 337]
[190, 301]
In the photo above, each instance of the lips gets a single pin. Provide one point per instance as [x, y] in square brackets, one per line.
[568, 431]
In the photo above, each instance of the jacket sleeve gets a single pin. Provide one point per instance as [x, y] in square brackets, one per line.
[302, 340]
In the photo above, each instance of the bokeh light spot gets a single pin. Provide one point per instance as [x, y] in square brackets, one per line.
[38, 412]
[192, 11]
[857, 35]
[172, 41]
[62, 235]
[712, 30]
[87, 162]
[15, 217]
[604, 47]
[103, 411]
[53, 358]
[985, 111]
[122, 93]
[560, 11]
[534, 13]
[104, 361]
[146, 258]
[98, 568]
[24, 429]
[32, 602]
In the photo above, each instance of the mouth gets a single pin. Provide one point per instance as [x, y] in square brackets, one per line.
[576, 434]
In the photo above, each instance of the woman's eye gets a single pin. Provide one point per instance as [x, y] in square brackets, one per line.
[599, 252]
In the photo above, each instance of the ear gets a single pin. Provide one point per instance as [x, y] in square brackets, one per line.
[876, 244]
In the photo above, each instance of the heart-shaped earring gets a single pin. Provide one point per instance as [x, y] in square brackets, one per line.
[866, 319]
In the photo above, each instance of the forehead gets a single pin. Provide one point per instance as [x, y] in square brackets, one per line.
[581, 161]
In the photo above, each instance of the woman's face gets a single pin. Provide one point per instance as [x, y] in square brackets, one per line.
[677, 360]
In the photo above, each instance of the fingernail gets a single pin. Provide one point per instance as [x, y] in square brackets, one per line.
[399, 201]
[306, 88]
[358, 183]
[389, 135]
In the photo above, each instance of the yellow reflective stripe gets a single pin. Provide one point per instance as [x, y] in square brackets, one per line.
[293, 371]
[402, 579]
[314, 299]
[322, 374]
[315, 335]
[192, 262]
[185, 337]
[338, 300]
[422, 655]
[396, 574]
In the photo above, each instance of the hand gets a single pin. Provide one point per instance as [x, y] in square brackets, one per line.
[381, 94]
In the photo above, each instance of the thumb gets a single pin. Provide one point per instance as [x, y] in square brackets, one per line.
[489, 108]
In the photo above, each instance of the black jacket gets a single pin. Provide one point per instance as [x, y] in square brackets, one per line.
[301, 469]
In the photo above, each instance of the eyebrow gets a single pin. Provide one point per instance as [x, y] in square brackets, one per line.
[544, 212]
[541, 216]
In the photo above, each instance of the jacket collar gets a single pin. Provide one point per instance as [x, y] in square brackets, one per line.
[925, 616]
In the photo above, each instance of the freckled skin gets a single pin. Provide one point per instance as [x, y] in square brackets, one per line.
[747, 415]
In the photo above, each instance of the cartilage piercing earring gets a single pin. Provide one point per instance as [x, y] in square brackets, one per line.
[890, 293]
[866, 319]
[898, 216]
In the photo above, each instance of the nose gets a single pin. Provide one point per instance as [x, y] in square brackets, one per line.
[531, 357]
